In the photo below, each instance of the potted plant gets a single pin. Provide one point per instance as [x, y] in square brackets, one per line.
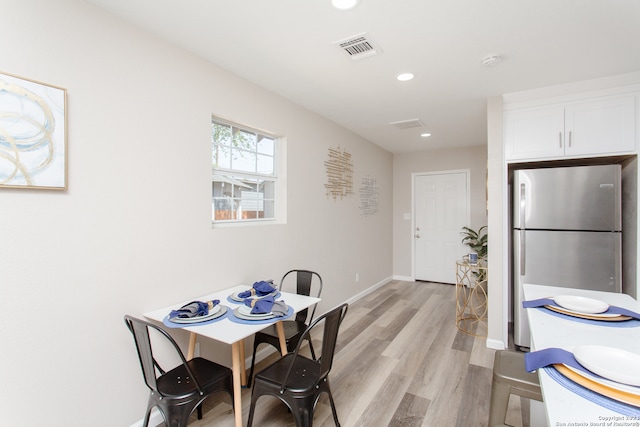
[476, 240]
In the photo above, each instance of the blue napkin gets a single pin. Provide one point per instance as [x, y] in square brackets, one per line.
[193, 309]
[549, 301]
[550, 356]
[267, 305]
[260, 289]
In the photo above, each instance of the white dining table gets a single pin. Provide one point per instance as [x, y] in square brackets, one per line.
[233, 333]
[563, 406]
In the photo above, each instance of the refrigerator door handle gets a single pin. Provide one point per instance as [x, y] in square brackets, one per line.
[523, 203]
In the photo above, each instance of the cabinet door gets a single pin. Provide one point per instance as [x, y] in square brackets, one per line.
[534, 133]
[605, 125]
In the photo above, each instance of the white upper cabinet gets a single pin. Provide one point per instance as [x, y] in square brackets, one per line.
[591, 127]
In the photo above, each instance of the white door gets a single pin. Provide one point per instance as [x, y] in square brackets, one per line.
[441, 209]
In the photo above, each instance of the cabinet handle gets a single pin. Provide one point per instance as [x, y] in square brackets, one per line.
[523, 206]
[560, 139]
[569, 139]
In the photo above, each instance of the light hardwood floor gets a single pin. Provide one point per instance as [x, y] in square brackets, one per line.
[400, 361]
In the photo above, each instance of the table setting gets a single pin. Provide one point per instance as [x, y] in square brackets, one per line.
[587, 310]
[258, 305]
[196, 313]
[585, 348]
[605, 375]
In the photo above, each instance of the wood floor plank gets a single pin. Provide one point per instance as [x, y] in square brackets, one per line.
[410, 412]
[474, 406]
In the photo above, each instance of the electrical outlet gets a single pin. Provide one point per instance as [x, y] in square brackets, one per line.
[357, 277]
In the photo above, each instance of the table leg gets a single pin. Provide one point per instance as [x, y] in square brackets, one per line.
[283, 341]
[191, 351]
[243, 367]
[236, 367]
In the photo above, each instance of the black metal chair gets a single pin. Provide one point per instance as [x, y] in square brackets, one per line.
[297, 380]
[177, 392]
[293, 329]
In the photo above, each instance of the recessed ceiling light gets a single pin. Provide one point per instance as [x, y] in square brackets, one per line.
[405, 77]
[425, 135]
[490, 60]
[344, 4]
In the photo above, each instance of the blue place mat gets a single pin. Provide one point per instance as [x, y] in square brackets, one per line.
[169, 324]
[631, 323]
[235, 319]
[604, 401]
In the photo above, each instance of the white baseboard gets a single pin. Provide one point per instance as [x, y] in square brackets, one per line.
[495, 344]
[368, 290]
[154, 420]
[404, 278]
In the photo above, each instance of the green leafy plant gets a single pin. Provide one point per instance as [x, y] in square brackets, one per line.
[476, 240]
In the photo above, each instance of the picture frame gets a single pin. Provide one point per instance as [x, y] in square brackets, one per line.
[33, 134]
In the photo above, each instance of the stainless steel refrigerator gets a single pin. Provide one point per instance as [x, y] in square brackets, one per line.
[567, 232]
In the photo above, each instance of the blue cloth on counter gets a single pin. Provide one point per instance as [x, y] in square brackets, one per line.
[550, 356]
[267, 305]
[549, 301]
[193, 309]
[261, 288]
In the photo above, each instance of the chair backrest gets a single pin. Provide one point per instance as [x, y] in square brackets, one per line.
[304, 285]
[150, 367]
[332, 320]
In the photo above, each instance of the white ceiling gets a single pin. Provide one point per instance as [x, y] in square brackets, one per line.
[287, 46]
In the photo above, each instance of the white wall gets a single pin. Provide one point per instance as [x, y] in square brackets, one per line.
[133, 231]
[472, 158]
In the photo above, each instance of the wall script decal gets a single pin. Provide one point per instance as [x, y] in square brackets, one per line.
[339, 173]
[368, 196]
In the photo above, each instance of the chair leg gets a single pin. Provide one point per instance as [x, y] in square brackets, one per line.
[333, 405]
[313, 353]
[251, 410]
[304, 417]
[499, 402]
[199, 409]
[253, 364]
[145, 423]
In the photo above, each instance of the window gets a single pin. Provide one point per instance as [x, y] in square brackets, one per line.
[244, 178]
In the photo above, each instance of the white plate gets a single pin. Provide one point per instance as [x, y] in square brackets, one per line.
[239, 315]
[605, 382]
[609, 362]
[586, 315]
[234, 296]
[581, 304]
[243, 309]
[213, 313]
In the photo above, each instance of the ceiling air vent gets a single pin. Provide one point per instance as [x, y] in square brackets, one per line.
[407, 124]
[359, 47]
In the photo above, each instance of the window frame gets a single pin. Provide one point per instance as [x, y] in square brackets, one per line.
[254, 178]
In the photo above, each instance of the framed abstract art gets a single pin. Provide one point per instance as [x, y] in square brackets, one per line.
[33, 134]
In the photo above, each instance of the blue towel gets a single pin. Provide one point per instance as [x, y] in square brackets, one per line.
[550, 356]
[260, 289]
[267, 305]
[549, 301]
[193, 309]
